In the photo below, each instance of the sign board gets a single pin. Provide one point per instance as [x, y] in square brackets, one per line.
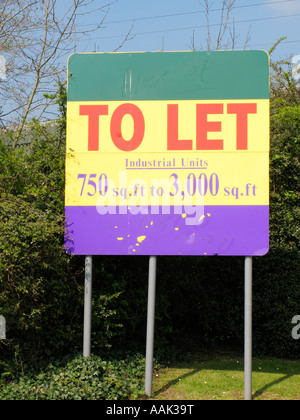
[168, 153]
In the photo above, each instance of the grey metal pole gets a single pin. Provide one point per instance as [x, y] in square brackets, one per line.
[248, 330]
[87, 307]
[150, 325]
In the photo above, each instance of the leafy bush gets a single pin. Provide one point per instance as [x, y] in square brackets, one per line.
[81, 378]
[41, 286]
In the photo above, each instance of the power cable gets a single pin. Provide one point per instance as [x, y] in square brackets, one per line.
[188, 13]
[196, 27]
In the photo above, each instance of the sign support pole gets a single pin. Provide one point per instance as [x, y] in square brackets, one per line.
[87, 307]
[150, 325]
[248, 330]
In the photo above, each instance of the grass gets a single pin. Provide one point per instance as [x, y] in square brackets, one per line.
[222, 378]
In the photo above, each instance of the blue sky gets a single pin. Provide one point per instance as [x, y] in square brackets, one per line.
[169, 25]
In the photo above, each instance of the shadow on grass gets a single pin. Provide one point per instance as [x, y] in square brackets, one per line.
[174, 381]
[262, 390]
[255, 395]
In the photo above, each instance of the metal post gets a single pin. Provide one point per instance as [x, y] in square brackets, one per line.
[248, 330]
[150, 325]
[87, 307]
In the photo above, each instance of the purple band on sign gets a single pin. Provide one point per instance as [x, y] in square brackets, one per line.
[215, 230]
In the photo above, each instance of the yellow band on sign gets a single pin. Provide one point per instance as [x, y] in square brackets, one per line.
[167, 153]
[221, 179]
[168, 126]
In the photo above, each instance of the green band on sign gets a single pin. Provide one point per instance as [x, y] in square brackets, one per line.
[165, 76]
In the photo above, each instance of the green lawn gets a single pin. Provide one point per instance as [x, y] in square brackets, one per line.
[222, 378]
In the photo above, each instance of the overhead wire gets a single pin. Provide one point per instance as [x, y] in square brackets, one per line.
[196, 27]
[188, 13]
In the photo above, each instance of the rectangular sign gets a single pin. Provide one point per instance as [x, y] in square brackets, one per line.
[168, 153]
